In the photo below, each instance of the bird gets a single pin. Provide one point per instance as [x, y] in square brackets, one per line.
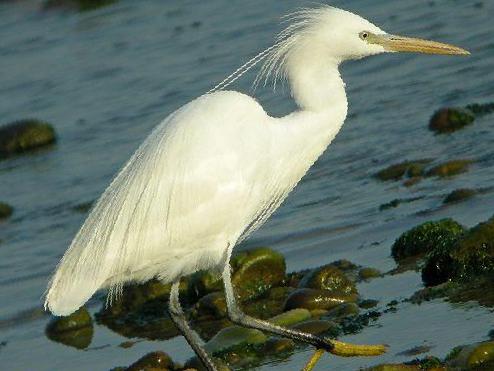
[213, 171]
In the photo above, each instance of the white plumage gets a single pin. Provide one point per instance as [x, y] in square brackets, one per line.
[214, 170]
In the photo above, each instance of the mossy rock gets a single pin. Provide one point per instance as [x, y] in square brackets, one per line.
[234, 337]
[75, 330]
[450, 168]
[137, 295]
[342, 311]
[459, 195]
[329, 278]
[409, 169]
[316, 299]
[153, 361]
[80, 5]
[367, 273]
[448, 120]
[256, 271]
[141, 312]
[481, 109]
[212, 305]
[479, 356]
[394, 367]
[425, 238]
[290, 318]
[25, 135]
[397, 202]
[194, 364]
[469, 256]
[318, 327]
[5, 210]
[202, 283]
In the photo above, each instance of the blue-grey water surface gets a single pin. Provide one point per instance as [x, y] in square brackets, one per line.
[104, 78]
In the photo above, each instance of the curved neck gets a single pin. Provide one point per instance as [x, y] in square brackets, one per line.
[316, 86]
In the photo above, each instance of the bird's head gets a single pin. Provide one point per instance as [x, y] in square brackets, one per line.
[330, 35]
[349, 36]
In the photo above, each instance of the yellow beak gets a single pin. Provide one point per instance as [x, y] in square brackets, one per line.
[395, 43]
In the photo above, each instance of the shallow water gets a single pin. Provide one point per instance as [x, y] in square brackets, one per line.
[106, 77]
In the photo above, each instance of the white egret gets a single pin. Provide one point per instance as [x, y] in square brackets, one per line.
[215, 169]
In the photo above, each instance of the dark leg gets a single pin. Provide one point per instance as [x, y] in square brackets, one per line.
[178, 317]
[336, 347]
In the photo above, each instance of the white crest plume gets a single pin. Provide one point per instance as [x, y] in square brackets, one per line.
[276, 55]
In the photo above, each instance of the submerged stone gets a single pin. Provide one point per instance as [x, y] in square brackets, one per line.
[194, 364]
[343, 310]
[141, 311]
[211, 305]
[409, 169]
[291, 317]
[448, 120]
[81, 5]
[5, 210]
[318, 327]
[470, 256]
[481, 109]
[25, 135]
[256, 271]
[479, 356]
[75, 330]
[450, 168]
[329, 278]
[153, 361]
[203, 283]
[366, 274]
[459, 195]
[316, 299]
[234, 337]
[426, 237]
[394, 367]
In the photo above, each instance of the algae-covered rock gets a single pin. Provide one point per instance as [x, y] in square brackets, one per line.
[448, 120]
[426, 237]
[397, 202]
[291, 317]
[202, 283]
[75, 330]
[5, 210]
[342, 311]
[234, 337]
[194, 364]
[211, 305]
[256, 271]
[450, 168]
[153, 361]
[25, 135]
[366, 273]
[394, 367]
[141, 311]
[318, 327]
[459, 195]
[329, 278]
[481, 109]
[317, 299]
[409, 169]
[469, 256]
[368, 303]
[479, 356]
[80, 5]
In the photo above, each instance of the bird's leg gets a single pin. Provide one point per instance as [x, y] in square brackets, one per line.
[178, 317]
[336, 347]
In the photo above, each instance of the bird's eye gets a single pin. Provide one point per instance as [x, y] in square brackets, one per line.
[364, 35]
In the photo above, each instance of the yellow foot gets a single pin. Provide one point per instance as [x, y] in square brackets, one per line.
[351, 350]
[346, 350]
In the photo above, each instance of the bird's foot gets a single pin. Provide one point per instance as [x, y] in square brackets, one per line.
[343, 349]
